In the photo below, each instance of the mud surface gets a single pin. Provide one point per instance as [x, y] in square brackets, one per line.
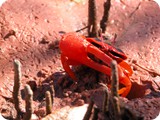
[30, 30]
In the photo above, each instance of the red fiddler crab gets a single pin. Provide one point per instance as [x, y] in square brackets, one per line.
[75, 50]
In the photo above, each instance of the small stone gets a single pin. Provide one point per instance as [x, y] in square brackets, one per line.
[34, 117]
[44, 40]
[134, 68]
[79, 102]
[41, 74]
[134, 61]
[76, 95]
[40, 112]
[65, 94]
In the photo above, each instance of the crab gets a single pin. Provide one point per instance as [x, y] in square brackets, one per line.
[77, 49]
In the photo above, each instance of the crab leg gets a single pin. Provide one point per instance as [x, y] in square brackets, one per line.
[126, 68]
[125, 90]
[65, 64]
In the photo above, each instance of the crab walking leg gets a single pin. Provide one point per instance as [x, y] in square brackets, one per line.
[125, 90]
[126, 68]
[65, 64]
[123, 79]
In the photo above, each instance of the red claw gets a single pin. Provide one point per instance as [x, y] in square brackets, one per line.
[75, 50]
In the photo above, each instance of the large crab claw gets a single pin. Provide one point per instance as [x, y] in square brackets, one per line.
[75, 50]
[114, 53]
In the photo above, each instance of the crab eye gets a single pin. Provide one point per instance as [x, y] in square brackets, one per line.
[120, 50]
[62, 32]
[116, 54]
[96, 44]
[97, 39]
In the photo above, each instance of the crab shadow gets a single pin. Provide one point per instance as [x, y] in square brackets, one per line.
[59, 82]
[89, 79]
[48, 84]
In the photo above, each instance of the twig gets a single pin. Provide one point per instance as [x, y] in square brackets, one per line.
[123, 2]
[157, 84]
[48, 103]
[89, 110]
[135, 9]
[16, 87]
[114, 79]
[114, 89]
[29, 100]
[82, 29]
[103, 22]
[52, 93]
[151, 72]
[10, 33]
[92, 19]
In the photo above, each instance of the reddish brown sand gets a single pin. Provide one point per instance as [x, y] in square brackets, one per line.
[30, 30]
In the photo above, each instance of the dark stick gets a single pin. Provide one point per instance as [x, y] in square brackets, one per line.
[52, 93]
[29, 100]
[16, 87]
[103, 23]
[89, 111]
[105, 100]
[82, 29]
[151, 72]
[92, 19]
[48, 103]
[95, 113]
[114, 89]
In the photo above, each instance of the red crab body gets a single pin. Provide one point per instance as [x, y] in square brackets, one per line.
[75, 50]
